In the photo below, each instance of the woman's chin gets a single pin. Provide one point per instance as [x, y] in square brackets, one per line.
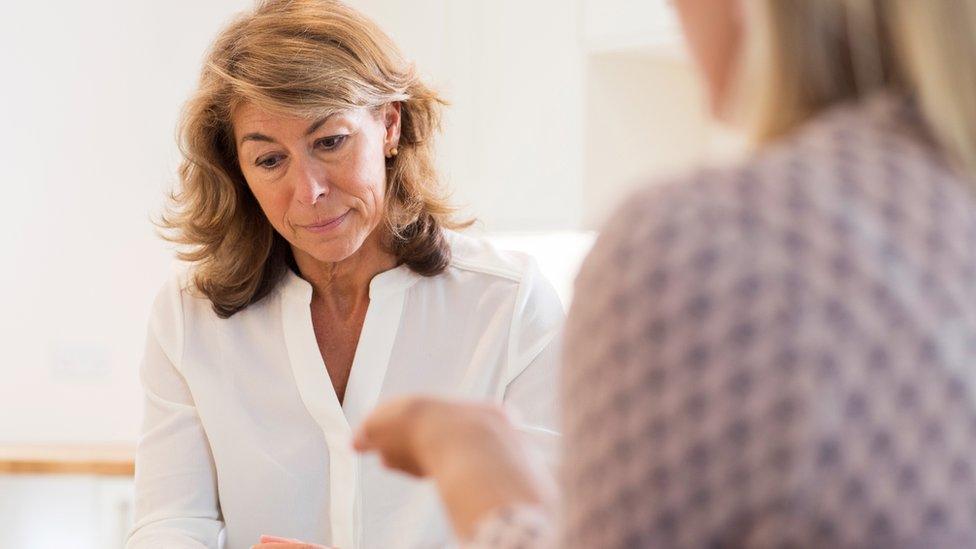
[332, 255]
[337, 246]
[333, 251]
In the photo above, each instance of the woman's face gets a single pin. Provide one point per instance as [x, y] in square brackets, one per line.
[321, 183]
[713, 30]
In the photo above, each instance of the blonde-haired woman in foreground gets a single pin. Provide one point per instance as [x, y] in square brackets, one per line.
[776, 354]
[325, 280]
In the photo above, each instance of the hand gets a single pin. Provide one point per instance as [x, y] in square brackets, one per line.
[471, 452]
[274, 542]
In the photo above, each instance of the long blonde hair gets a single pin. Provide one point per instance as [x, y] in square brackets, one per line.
[307, 58]
[804, 55]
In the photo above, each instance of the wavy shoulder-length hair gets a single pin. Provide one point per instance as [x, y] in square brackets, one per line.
[307, 58]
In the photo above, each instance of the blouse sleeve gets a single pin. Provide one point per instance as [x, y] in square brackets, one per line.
[518, 527]
[176, 503]
[531, 378]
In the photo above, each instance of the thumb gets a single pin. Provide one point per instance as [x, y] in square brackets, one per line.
[361, 441]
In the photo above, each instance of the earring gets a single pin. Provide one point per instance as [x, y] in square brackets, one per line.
[393, 152]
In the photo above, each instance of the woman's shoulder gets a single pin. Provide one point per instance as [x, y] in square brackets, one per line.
[480, 256]
[477, 263]
[178, 300]
[174, 289]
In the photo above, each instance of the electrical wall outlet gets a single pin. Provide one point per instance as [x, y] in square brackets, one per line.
[78, 362]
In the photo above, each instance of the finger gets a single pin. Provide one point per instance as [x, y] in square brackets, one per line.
[386, 419]
[265, 538]
[287, 545]
[386, 432]
[361, 441]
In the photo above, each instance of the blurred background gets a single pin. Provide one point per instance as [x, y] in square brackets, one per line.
[559, 108]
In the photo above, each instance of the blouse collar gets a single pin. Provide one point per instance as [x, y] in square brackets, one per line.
[396, 280]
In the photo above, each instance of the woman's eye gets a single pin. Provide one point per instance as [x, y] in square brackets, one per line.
[330, 143]
[268, 162]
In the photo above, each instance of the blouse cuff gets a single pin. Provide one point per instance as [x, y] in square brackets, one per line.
[514, 527]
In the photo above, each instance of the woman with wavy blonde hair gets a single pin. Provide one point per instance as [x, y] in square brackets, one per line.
[325, 276]
[778, 353]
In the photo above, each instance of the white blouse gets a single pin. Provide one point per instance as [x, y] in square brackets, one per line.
[243, 434]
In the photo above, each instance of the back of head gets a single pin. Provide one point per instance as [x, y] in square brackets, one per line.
[803, 56]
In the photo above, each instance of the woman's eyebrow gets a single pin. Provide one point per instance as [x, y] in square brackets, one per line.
[318, 124]
[256, 137]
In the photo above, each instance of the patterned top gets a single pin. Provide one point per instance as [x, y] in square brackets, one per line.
[779, 354]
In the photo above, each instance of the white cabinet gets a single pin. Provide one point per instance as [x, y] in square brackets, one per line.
[646, 115]
[61, 496]
[644, 110]
[645, 118]
[64, 511]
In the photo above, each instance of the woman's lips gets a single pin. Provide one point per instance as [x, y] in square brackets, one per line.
[327, 225]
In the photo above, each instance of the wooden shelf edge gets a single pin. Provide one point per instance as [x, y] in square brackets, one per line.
[49, 468]
[117, 460]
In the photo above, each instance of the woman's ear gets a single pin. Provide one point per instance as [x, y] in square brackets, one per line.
[391, 119]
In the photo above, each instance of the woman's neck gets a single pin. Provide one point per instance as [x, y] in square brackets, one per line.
[343, 286]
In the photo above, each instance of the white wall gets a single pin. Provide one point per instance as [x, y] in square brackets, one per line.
[513, 71]
[88, 107]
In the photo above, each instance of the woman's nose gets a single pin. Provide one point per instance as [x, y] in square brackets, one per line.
[311, 184]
